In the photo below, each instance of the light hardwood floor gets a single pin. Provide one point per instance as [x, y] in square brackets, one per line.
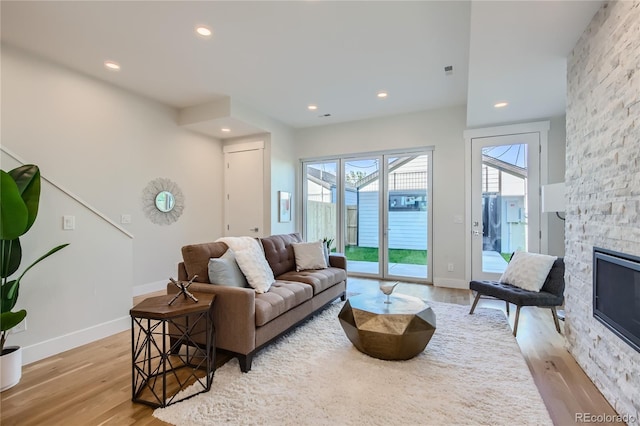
[91, 385]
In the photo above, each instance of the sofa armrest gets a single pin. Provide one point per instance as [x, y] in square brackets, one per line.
[234, 315]
[338, 260]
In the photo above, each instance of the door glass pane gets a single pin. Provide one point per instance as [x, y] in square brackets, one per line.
[321, 208]
[407, 216]
[362, 214]
[504, 204]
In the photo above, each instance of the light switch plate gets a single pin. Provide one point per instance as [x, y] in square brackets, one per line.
[68, 222]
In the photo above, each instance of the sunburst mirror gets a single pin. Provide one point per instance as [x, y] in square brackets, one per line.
[162, 201]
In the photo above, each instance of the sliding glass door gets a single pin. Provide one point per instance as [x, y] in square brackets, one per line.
[362, 214]
[407, 215]
[320, 210]
[378, 210]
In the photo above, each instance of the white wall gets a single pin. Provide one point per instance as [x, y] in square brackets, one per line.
[104, 145]
[439, 128]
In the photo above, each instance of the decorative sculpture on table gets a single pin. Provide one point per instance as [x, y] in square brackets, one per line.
[388, 289]
[183, 289]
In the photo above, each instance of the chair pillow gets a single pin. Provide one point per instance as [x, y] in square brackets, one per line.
[309, 255]
[225, 271]
[528, 270]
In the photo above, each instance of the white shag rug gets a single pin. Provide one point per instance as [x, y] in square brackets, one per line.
[470, 373]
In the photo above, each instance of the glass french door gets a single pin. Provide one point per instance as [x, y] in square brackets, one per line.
[376, 209]
[320, 210]
[407, 201]
[505, 201]
[362, 215]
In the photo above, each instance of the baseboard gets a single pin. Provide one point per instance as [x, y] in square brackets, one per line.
[72, 340]
[139, 290]
[450, 283]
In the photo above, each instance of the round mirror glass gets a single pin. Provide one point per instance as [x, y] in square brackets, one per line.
[165, 201]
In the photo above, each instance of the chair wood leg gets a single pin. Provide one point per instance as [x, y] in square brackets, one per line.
[475, 302]
[515, 324]
[507, 303]
[555, 318]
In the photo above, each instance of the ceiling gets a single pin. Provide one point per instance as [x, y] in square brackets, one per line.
[279, 57]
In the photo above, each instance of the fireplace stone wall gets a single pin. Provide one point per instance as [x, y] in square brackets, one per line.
[603, 189]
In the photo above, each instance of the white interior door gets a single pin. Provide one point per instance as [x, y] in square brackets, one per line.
[505, 205]
[244, 190]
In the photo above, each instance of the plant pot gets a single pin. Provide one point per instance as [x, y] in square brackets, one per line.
[10, 367]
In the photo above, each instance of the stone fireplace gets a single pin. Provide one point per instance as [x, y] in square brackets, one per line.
[603, 190]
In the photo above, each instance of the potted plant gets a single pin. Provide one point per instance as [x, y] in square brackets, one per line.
[19, 200]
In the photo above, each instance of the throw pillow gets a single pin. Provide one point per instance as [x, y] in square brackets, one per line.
[309, 255]
[528, 270]
[224, 270]
[254, 266]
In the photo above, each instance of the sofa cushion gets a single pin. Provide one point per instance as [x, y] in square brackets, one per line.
[320, 280]
[310, 255]
[279, 252]
[196, 259]
[281, 297]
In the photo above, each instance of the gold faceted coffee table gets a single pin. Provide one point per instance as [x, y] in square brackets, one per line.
[394, 331]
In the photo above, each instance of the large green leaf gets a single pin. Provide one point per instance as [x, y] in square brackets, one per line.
[11, 257]
[9, 295]
[43, 257]
[14, 215]
[8, 320]
[27, 179]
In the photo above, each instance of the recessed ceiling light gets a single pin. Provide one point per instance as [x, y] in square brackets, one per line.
[382, 95]
[312, 107]
[113, 66]
[225, 129]
[501, 104]
[203, 31]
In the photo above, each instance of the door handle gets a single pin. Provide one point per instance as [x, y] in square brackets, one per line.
[476, 233]
[254, 229]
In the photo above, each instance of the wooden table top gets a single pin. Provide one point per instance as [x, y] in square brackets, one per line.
[158, 307]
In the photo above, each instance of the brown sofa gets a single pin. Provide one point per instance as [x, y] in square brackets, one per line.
[244, 320]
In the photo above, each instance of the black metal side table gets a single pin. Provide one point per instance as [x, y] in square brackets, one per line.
[161, 366]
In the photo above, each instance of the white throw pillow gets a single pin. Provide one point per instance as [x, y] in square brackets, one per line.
[528, 270]
[255, 268]
[309, 255]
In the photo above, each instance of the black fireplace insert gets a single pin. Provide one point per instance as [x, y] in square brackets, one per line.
[616, 293]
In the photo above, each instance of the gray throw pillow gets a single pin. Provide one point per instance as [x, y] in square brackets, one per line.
[224, 270]
[309, 255]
